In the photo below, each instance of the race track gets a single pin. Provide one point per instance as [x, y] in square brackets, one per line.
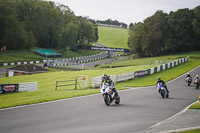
[140, 108]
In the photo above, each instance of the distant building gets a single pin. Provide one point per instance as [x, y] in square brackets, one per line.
[24, 70]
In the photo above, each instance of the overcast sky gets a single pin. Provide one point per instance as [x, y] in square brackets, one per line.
[127, 11]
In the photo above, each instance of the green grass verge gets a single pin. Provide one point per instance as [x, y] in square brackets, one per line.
[191, 131]
[195, 106]
[113, 37]
[13, 56]
[151, 60]
[70, 54]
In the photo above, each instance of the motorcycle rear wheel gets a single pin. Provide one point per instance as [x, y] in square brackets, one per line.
[117, 99]
[197, 86]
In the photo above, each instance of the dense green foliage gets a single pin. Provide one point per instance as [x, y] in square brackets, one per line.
[166, 33]
[27, 23]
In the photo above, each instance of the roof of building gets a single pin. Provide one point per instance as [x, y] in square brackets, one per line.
[28, 68]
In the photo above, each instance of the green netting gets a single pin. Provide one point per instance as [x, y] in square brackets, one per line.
[47, 52]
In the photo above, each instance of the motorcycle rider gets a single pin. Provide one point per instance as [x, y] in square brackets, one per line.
[188, 75]
[196, 77]
[163, 83]
[107, 79]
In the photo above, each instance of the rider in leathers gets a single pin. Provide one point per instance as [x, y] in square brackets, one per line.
[107, 79]
[188, 75]
[197, 77]
[163, 83]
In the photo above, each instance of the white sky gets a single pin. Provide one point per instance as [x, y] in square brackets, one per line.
[127, 11]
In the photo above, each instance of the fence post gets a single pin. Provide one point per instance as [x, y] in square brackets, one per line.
[56, 85]
[76, 83]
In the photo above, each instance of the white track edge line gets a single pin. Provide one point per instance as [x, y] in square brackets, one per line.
[170, 118]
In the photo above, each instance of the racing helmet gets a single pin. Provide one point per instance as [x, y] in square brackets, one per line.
[197, 76]
[158, 79]
[104, 76]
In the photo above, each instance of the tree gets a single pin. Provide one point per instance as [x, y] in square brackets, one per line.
[180, 33]
[68, 37]
[86, 32]
[196, 28]
[135, 37]
[131, 25]
[153, 38]
[13, 34]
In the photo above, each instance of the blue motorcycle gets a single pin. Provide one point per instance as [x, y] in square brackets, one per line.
[162, 90]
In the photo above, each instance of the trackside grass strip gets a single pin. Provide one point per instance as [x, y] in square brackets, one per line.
[191, 131]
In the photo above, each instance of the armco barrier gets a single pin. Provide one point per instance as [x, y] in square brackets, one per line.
[21, 63]
[137, 74]
[43, 61]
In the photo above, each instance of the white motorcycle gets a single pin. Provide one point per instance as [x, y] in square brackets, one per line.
[109, 95]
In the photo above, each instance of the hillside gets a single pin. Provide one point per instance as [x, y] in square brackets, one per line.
[113, 37]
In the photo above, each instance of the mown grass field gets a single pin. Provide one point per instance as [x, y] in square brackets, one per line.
[47, 81]
[113, 37]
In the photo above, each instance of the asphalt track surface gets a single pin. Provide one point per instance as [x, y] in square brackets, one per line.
[140, 109]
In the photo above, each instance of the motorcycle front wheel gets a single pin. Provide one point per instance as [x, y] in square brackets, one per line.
[162, 93]
[107, 99]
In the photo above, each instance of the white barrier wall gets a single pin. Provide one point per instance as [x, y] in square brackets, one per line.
[127, 76]
[31, 86]
[96, 82]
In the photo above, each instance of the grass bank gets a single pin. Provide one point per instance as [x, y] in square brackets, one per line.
[113, 37]
[18, 55]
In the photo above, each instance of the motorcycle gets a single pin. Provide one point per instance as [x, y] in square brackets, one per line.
[109, 95]
[162, 90]
[196, 82]
[189, 80]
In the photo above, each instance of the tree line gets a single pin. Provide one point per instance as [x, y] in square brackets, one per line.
[27, 23]
[111, 22]
[164, 33]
